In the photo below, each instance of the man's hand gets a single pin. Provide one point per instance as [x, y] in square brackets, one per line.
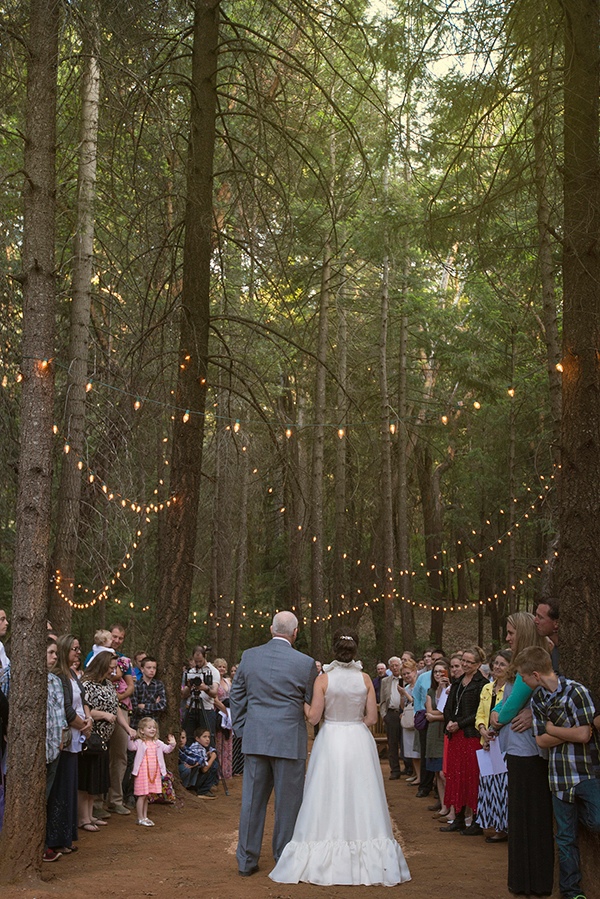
[522, 721]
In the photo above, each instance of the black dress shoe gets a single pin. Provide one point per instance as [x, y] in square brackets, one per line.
[498, 838]
[474, 830]
[422, 793]
[455, 827]
[394, 776]
[248, 873]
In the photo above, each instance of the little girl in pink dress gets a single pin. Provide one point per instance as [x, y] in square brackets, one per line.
[148, 766]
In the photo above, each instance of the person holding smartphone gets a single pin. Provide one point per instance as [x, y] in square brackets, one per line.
[434, 710]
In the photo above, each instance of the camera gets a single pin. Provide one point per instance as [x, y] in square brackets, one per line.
[196, 679]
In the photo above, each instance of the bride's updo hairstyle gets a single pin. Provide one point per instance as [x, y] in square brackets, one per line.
[345, 645]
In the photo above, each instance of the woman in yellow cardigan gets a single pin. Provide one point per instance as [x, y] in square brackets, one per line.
[492, 804]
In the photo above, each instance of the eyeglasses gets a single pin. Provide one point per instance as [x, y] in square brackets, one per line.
[75, 649]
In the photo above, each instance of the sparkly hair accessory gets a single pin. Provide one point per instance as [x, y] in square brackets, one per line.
[344, 637]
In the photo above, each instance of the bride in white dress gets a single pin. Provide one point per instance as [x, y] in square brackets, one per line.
[343, 833]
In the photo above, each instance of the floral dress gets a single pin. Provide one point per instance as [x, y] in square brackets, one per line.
[94, 775]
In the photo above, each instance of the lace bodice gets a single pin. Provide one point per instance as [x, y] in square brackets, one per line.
[346, 693]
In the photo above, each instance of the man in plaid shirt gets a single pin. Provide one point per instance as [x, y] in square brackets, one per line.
[563, 716]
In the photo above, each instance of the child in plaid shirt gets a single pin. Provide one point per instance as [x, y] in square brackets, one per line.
[198, 764]
[563, 717]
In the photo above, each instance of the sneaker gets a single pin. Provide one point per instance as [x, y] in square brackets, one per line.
[206, 796]
[51, 855]
[119, 809]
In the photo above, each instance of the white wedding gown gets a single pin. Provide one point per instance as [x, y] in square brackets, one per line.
[343, 833]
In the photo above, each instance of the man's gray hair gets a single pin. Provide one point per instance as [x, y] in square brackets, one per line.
[284, 624]
[394, 659]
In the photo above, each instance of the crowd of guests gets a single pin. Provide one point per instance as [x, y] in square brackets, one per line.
[104, 755]
[508, 746]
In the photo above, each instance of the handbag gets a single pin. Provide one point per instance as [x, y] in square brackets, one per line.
[421, 719]
[407, 719]
[94, 744]
[66, 737]
[167, 796]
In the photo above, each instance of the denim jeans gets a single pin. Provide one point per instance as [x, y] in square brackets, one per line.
[586, 809]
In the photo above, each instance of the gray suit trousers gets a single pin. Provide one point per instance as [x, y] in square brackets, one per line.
[262, 774]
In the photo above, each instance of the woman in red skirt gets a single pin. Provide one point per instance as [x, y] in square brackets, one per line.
[462, 770]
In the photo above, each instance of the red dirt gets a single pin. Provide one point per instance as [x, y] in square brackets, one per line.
[191, 852]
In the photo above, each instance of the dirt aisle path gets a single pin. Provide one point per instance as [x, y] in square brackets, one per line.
[191, 853]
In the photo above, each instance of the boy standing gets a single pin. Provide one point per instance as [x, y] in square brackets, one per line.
[563, 715]
[149, 696]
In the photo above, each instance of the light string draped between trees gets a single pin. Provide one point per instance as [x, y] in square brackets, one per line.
[144, 509]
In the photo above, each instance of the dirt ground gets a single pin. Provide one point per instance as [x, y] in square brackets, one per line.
[191, 853]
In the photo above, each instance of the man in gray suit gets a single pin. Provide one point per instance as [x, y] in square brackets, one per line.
[268, 693]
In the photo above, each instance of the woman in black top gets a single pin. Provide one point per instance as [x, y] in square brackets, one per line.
[462, 774]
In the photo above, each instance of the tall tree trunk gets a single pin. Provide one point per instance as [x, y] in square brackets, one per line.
[403, 520]
[512, 443]
[385, 474]
[242, 555]
[222, 550]
[541, 123]
[339, 593]
[580, 481]
[69, 493]
[175, 588]
[23, 834]
[431, 502]
[318, 607]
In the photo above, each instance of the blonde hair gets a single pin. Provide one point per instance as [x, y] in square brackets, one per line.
[410, 664]
[218, 662]
[143, 723]
[526, 634]
[103, 638]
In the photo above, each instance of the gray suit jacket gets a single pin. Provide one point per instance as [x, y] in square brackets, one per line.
[268, 693]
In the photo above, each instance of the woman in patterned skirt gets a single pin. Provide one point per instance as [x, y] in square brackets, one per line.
[492, 802]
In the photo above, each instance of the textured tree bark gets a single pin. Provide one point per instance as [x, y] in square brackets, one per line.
[22, 841]
[579, 553]
[387, 578]
[69, 493]
[580, 482]
[175, 587]
[429, 485]
[542, 151]
[317, 586]
[403, 515]
[339, 597]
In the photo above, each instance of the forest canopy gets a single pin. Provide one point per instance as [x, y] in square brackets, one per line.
[380, 427]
